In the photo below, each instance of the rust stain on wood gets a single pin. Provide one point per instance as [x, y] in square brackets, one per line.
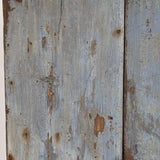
[26, 137]
[57, 137]
[49, 148]
[99, 124]
[47, 28]
[128, 155]
[53, 83]
[93, 47]
[50, 110]
[117, 32]
[132, 90]
[50, 140]
[50, 94]
[10, 157]
[147, 22]
[43, 42]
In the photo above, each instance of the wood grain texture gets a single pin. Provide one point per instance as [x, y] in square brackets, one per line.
[64, 79]
[142, 121]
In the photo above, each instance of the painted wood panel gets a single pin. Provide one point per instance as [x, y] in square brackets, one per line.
[142, 80]
[64, 79]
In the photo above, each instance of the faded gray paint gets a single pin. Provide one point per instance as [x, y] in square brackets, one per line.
[142, 122]
[64, 68]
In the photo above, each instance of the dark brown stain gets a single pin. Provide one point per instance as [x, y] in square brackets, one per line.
[12, 9]
[11, 86]
[50, 110]
[90, 115]
[18, 1]
[51, 71]
[7, 110]
[55, 34]
[43, 42]
[117, 32]
[147, 22]
[11, 83]
[6, 10]
[99, 124]
[64, 26]
[128, 155]
[77, 157]
[57, 137]
[110, 118]
[93, 47]
[29, 45]
[132, 90]
[95, 145]
[10, 157]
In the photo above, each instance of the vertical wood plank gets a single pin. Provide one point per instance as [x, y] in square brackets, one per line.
[2, 92]
[64, 78]
[142, 120]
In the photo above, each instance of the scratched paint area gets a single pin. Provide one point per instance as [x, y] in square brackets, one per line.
[142, 120]
[64, 79]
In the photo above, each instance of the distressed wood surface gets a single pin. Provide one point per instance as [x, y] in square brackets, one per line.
[64, 79]
[142, 80]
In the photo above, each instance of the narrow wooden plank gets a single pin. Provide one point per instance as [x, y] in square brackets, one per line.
[2, 92]
[64, 78]
[142, 121]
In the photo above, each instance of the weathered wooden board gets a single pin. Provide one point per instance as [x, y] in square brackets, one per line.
[64, 79]
[142, 77]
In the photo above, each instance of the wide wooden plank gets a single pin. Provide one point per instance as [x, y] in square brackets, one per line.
[142, 80]
[64, 79]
